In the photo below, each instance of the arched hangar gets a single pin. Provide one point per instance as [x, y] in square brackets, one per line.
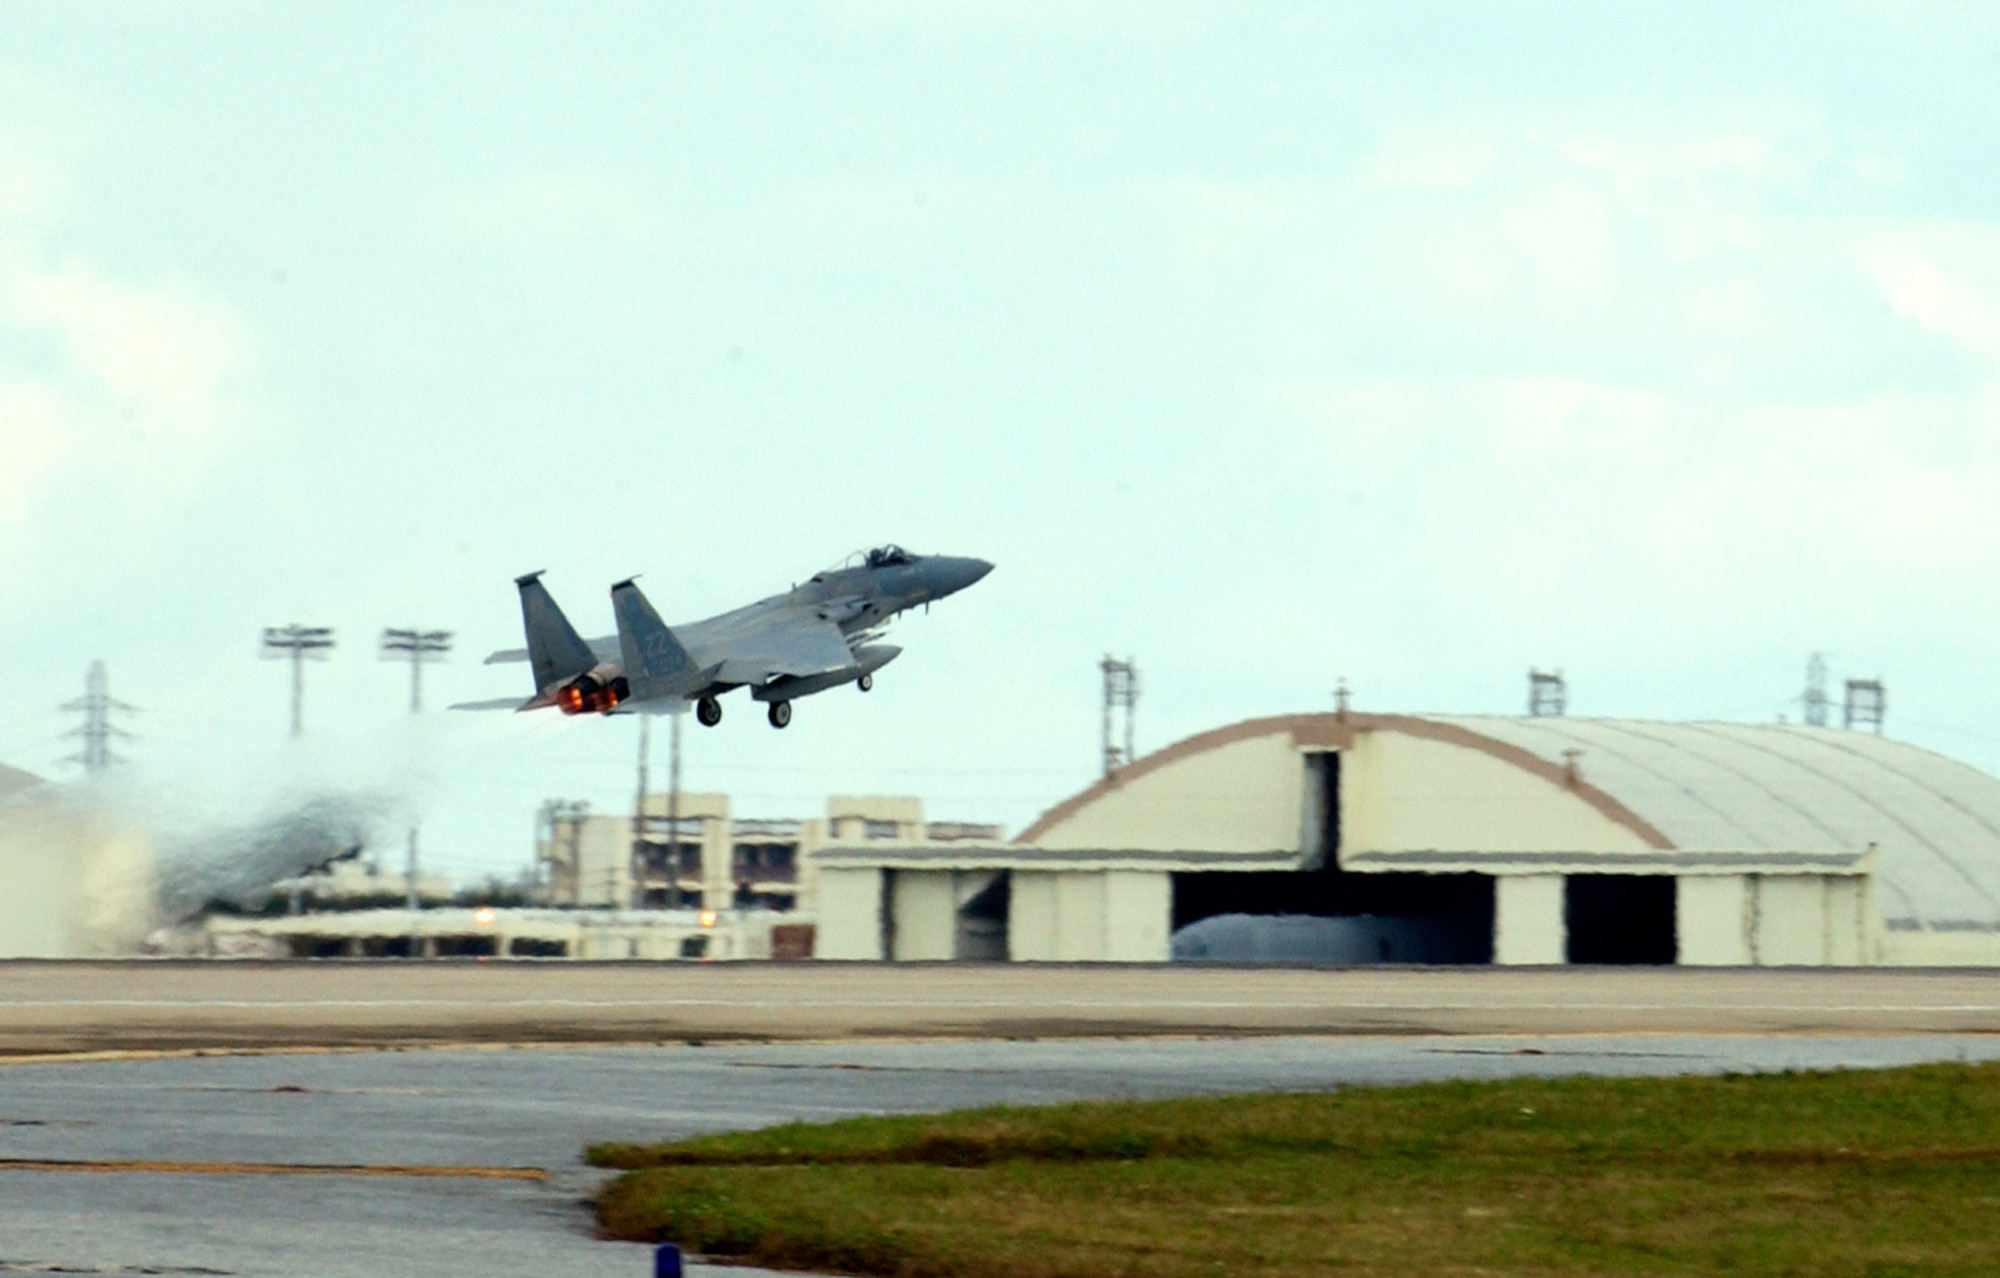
[14, 781]
[1466, 839]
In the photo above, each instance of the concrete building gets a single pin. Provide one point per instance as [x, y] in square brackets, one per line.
[1467, 839]
[714, 862]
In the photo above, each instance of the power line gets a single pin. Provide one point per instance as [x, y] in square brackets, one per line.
[97, 705]
[417, 647]
[298, 643]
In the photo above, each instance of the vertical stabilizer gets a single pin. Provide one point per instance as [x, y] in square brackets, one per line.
[655, 662]
[555, 651]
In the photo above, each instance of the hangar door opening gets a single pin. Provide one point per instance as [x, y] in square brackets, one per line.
[1619, 918]
[1326, 914]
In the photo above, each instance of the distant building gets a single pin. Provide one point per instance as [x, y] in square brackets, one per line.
[713, 862]
[712, 888]
[471, 933]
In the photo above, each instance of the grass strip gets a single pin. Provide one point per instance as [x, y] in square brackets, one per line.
[1862, 1173]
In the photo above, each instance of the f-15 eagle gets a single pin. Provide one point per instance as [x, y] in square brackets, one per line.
[822, 634]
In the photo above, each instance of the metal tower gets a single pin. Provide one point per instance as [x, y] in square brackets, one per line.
[1867, 704]
[1121, 691]
[97, 705]
[298, 642]
[1548, 695]
[1813, 700]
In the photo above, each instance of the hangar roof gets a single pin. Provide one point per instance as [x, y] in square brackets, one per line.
[13, 779]
[1935, 822]
[1717, 787]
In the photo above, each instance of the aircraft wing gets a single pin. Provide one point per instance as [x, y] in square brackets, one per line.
[807, 647]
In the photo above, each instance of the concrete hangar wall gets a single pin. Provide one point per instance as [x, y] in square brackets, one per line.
[1466, 839]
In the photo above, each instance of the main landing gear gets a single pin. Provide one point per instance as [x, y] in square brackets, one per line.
[865, 682]
[709, 711]
[780, 713]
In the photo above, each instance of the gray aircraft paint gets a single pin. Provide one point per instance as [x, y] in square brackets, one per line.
[821, 634]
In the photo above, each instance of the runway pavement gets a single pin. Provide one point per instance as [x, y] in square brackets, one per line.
[210, 1130]
[225, 1143]
[74, 1007]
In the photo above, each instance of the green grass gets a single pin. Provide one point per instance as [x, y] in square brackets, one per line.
[1851, 1173]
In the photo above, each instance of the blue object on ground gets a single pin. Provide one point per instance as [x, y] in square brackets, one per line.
[667, 1261]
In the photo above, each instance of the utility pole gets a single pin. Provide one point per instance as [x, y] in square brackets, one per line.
[639, 811]
[298, 643]
[1121, 690]
[417, 647]
[674, 809]
[97, 705]
[414, 902]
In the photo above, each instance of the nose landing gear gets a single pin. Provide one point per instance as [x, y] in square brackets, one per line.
[709, 711]
[865, 682]
[780, 713]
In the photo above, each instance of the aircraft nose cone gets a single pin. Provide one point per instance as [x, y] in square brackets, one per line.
[955, 574]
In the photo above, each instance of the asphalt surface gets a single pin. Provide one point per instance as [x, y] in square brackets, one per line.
[70, 1007]
[531, 1110]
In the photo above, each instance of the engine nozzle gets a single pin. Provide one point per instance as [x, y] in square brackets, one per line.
[588, 695]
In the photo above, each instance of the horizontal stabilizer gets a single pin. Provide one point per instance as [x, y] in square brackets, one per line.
[504, 703]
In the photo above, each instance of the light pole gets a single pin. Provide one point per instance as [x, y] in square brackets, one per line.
[416, 647]
[298, 643]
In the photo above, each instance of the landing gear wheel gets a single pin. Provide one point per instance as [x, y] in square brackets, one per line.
[780, 713]
[865, 682]
[709, 711]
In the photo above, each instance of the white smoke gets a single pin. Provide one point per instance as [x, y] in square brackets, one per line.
[74, 883]
[240, 863]
[94, 868]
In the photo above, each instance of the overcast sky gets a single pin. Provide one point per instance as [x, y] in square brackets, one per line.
[1269, 344]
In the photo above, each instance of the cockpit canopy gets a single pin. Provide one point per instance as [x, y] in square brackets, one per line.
[888, 556]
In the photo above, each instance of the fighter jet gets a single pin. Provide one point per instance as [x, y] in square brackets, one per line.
[823, 634]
